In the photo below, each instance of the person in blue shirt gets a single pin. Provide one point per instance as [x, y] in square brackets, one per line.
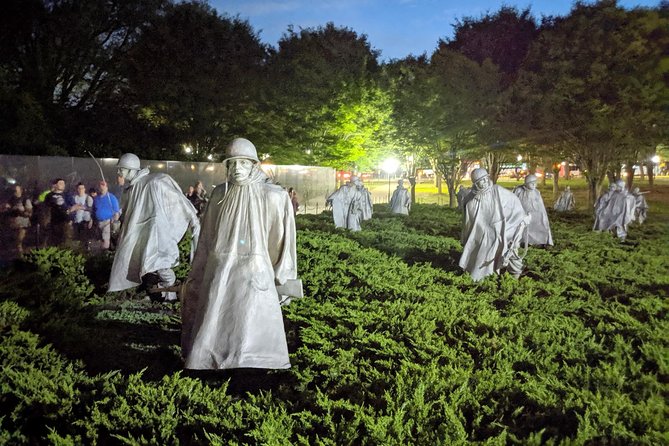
[107, 212]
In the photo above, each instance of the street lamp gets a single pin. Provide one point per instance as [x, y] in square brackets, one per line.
[390, 166]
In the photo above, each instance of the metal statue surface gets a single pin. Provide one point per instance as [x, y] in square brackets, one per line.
[641, 206]
[614, 210]
[340, 200]
[156, 216]
[245, 261]
[400, 202]
[493, 229]
[351, 204]
[539, 230]
[565, 201]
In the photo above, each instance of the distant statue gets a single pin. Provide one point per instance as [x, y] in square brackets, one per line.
[351, 204]
[565, 201]
[614, 211]
[461, 195]
[493, 229]
[400, 202]
[539, 230]
[366, 198]
[602, 202]
[641, 208]
[340, 200]
[156, 215]
[245, 262]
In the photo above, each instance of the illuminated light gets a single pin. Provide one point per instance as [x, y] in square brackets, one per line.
[192, 167]
[519, 158]
[564, 163]
[539, 174]
[209, 168]
[160, 166]
[188, 148]
[656, 159]
[210, 157]
[390, 165]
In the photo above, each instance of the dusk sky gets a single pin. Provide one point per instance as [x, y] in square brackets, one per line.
[395, 27]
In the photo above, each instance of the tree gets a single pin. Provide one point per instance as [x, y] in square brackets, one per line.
[503, 38]
[194, 76]
[329, 108]
[64, 53]
[444, 106]
[587, 78]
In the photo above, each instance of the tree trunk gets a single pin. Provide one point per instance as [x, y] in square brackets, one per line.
[610, 176]
[651, 173]
[450, 183]
[556, 179]
[629, 168]
[438, 177]
[642, 175]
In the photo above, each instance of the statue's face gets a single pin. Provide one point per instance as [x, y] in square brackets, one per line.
[240, 168]
[124, 172]
[482, 183]
[532, 185]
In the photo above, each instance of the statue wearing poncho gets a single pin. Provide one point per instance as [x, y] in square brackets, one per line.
[539, 230]
[494, 225]
[340, 200]
[565, 201]
[156, 215]
[615, 211]
[231, 314]
[400, 202]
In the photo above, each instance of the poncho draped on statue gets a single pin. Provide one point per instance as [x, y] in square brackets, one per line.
[400, 202]
[615, 212]
[539, 230]
[231, 314]
[341, 202]
[156, 215]
[491, 220]
[565, 201]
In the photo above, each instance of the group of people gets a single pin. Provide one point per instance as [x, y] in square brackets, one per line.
[244, 259]
[87, 214]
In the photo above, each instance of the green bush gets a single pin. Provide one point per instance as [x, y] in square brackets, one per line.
[392, 344]
[49, 282]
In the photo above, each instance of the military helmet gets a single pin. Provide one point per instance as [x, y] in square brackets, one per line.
[241, 148]
[479, 173]
[128, 161]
